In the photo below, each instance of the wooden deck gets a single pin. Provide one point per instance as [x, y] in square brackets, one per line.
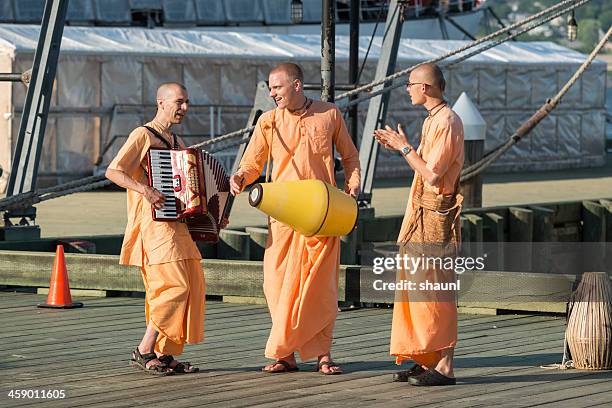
[85, 352]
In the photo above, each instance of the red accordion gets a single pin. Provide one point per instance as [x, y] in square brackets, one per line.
[196, 188]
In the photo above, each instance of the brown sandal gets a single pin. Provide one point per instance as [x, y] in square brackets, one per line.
[329, 365]
[181, 367]
[287, 368]
[140, 361]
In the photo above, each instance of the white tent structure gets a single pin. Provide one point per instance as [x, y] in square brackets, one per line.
[107, 77]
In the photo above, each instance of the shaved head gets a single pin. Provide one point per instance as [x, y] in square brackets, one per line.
[430, 74]
[172, 103]
[292, 70]
[168, 90]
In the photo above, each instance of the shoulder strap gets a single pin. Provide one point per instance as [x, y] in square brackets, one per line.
[164, 141]
[270, 145]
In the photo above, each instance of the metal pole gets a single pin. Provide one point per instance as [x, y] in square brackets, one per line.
[354, 64]
[10, 77]
[328, 49]
[28, 148]
[377, 109]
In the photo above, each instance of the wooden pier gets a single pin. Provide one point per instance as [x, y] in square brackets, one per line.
[85, 352]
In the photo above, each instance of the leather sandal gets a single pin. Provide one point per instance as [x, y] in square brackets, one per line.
[140, 361]
[329, 365]
[181, 367]
[431, 377]
[402, 376]
[286, 368]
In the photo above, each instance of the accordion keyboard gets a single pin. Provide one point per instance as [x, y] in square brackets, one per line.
[162, 180]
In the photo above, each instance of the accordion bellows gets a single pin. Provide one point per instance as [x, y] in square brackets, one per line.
[311, 207]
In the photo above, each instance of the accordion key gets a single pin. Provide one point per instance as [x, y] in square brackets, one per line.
[196, 190]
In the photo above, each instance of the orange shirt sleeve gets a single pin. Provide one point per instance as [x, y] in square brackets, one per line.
[256, 153]
[442, 152]
[348, 151]
[132, 153]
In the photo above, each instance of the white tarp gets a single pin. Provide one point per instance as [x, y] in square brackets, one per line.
[106, 69]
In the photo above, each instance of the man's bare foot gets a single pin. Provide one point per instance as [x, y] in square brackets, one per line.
[326, 366]
[282, 365]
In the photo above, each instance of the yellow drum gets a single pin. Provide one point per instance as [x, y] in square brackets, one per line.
[311, 207]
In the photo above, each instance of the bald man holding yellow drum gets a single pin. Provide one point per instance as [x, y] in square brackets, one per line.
[300, 271]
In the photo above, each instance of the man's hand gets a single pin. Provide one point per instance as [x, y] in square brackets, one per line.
[154, 197]
[223, 223]
[354, 191]
[391, 139]
[236, 184]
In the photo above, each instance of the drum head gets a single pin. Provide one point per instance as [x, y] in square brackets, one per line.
[256, 195]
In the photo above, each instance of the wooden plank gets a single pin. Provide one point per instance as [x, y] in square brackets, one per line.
[593, 222]
[234, 245]
[543, 235]
[262, 387]
[494, 237]
[474, 225]
[257, 244]
[103, 272]
[493, 227]
[472, 188]
[380, 229]
[349, 249]
[542, 223]
[496, 359]
[520, 225]
[520, 230]
[568, 211]
[607, 205]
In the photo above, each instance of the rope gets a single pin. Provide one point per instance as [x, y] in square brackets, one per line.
[365, 58]
[230, 135]
[93, 182]
[465, 57]
[398, 74]
[480, 166]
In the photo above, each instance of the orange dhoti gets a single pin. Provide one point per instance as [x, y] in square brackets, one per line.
[301, 289]
[174, 303]
[300, 273]
[425, 321]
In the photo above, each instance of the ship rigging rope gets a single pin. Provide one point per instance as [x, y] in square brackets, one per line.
[560, 5]
[94, 182]
[480, 166]
[466, 56]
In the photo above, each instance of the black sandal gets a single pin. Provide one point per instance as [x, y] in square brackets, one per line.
[402, 376]
[329, 364]
[431, 377]
[183, 367]
[140, 361]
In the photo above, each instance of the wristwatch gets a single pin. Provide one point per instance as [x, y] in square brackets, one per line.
[406, 150]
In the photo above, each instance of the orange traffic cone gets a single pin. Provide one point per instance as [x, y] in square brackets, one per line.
[59, 289]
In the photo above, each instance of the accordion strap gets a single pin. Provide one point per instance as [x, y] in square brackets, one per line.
[155, 133]
[270, 146]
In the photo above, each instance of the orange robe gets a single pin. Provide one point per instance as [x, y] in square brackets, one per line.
[421, 329]
[300, 273]
[168, 257]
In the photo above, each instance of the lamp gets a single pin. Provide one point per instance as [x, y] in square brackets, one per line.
[572, 28]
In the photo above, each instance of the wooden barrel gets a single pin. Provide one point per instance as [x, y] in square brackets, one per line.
[589, 327]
